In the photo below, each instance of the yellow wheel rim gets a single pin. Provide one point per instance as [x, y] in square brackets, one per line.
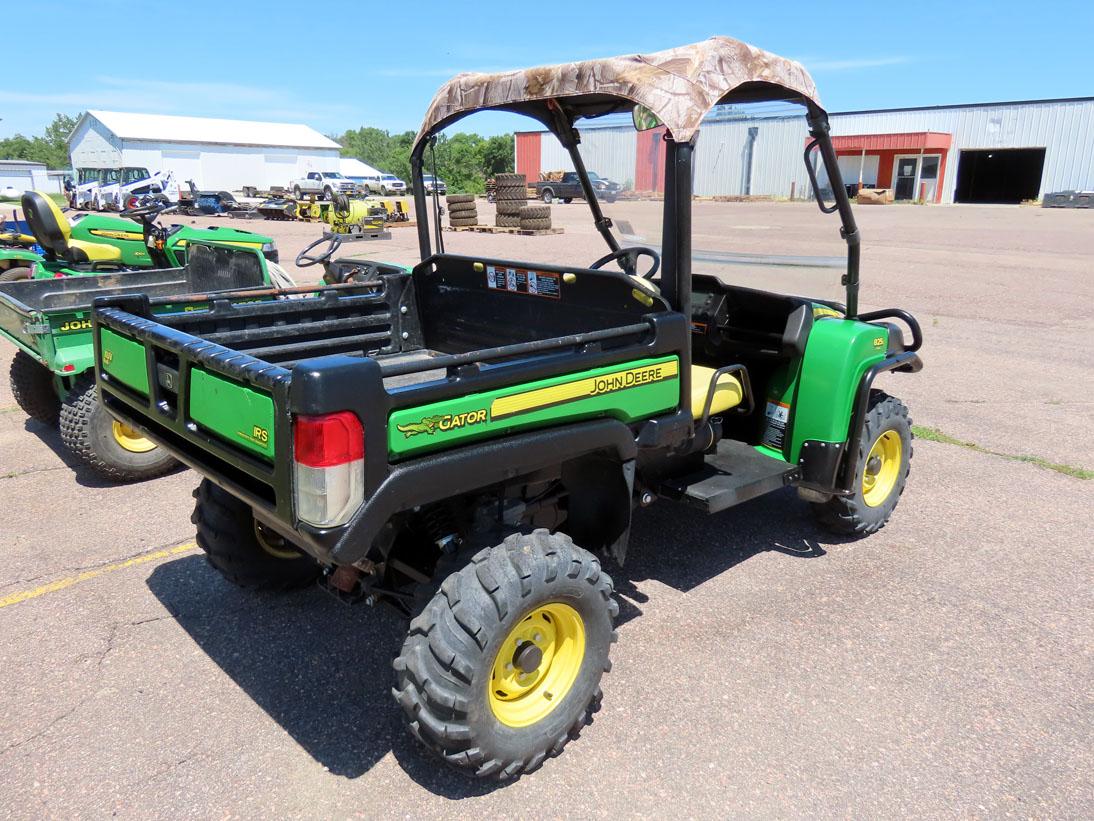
[882, 468]
[537, 665]
[274, 544]
[130, 439]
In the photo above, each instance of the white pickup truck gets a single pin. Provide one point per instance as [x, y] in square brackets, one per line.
[324, 184]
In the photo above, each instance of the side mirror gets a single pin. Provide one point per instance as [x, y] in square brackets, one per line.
[643, 118]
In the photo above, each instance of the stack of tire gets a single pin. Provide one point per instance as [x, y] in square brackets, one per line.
[462, 210]
[510, 196]
[535, 217]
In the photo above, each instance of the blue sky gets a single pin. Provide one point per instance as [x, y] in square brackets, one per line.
[378, 63]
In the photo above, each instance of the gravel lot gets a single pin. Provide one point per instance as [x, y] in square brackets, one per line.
[941, 667]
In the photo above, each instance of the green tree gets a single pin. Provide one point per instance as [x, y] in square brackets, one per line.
[51, 148]
[464, 161]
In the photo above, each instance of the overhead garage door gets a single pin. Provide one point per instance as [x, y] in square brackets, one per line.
[999, 175]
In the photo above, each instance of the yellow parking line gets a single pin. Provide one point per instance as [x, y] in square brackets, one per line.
[61, 584]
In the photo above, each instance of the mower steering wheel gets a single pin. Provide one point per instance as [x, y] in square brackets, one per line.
[628, 260]
[148, 209]
[306, 260]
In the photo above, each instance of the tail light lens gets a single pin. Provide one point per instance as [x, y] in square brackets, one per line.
[328, 468]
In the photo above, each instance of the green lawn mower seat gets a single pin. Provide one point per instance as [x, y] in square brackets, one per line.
[54, 233]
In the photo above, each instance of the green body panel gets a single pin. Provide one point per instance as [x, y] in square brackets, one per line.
[629, 391]
[237, 413]
[837, 355]
[124, 359]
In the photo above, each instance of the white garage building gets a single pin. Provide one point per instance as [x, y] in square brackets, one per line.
[215, 154]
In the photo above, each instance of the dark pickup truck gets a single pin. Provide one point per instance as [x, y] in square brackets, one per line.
[569, 188]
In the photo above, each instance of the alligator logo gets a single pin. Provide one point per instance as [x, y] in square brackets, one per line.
[443, 424]
[427, 425]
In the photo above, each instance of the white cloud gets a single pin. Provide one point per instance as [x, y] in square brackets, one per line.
[853, 63]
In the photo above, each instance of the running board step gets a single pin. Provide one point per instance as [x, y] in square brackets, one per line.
[734, 473]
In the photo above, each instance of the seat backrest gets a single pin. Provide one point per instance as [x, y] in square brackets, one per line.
[48, 224]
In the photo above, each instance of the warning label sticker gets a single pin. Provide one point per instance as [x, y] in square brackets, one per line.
[778, 415]
[523, 281]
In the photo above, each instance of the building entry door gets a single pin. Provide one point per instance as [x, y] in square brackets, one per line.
[907, 169]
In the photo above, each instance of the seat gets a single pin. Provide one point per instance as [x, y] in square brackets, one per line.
[728, 394]
[54, 233]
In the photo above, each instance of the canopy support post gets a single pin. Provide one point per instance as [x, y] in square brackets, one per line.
[819, 130]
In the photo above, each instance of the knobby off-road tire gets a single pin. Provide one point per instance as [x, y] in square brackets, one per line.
[462, 221]
[244, 553]
[511, 192]
[16, 274]
[460, 207]
[445, 676]
[510, 208]
[32, 387]
[510, 180]
[879, 480]
[507, 221]
[94, 436]
[535, 212]
[459, 199]
[534, 225]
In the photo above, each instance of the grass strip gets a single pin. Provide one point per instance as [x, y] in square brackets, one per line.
[935, 435]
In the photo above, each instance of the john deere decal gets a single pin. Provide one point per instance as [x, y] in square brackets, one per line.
[581, 389]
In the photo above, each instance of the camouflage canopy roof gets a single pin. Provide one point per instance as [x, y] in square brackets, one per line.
[679, 85]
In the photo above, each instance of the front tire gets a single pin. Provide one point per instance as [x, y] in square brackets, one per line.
[243, 551]
[882, 462]
[502, 667]
[33, 389]
[110, 448]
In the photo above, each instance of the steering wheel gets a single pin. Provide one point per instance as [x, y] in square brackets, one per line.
[628, 259]
[149, 207]
[306, 260]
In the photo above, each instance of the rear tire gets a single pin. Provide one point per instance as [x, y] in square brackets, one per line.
[242, 551]
[33, 389]
[110, 449]
[453, 678]
[296, 192]
[879, 480]
[547, 195]
[16, 274]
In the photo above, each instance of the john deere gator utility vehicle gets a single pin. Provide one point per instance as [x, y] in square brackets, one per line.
[96, 243]
[467, 441]
[49, 321]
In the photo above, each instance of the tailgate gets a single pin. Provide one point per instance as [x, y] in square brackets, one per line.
[221, 411]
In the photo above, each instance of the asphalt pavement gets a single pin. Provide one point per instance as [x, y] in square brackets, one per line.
[941, 667]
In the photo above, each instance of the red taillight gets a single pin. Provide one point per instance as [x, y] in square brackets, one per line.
[133, 202]
[329, 468]
[329, 440]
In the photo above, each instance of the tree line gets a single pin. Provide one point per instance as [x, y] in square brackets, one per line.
[50, 148]
[464, 161]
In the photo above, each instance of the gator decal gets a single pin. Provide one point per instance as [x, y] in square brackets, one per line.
[432, 424]
[629, 391]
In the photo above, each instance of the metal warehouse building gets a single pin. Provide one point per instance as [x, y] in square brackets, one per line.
[982, 152]
[24, 175]
[215, 154]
